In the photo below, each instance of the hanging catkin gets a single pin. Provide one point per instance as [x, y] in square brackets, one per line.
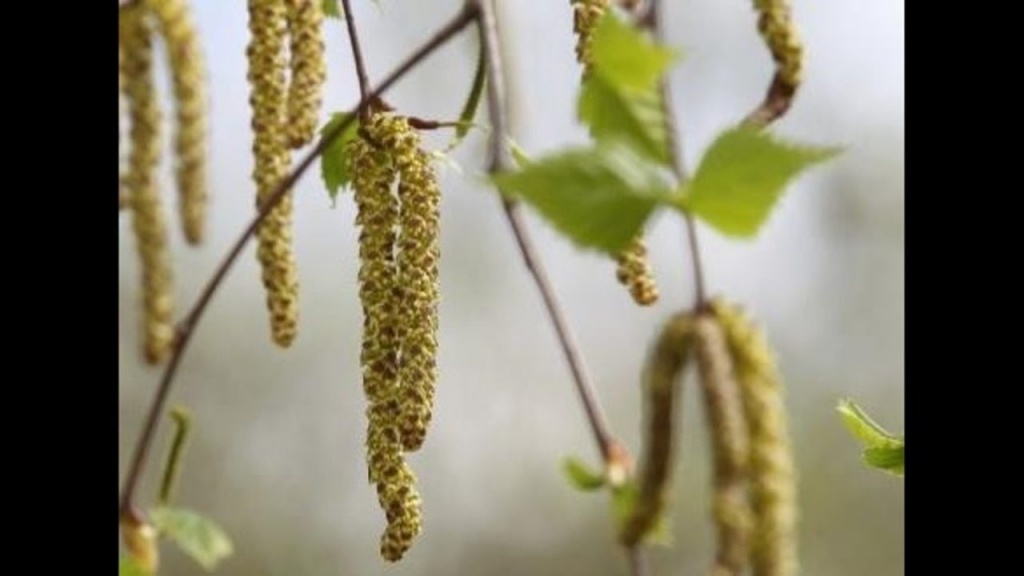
[775, 25]
[308, 70]
[174, 22]
[772, 475]
[729, 446]
[268, 24]
[374, 172]
[633, 269]
[664, 366]
[418, 256]
[148, 220]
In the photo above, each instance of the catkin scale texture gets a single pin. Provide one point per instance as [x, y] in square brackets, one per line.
[729, 445]
[268, 25]
[308, 70]
[188, 85]
[772, 474]
[148, 219]
[776, 27]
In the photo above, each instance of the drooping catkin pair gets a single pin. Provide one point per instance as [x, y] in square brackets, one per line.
[753, 502]
[285, 109]
[138, 23]
[633, 268]
[398, 287]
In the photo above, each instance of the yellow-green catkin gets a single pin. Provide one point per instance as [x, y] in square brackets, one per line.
[776, 27]
[148, 219]
[665, 364]
[374, 172]
[418, 256]
[308, 70]
[174, 22]
[268, 26]
[772, 475]
[729, 446]
[633, 268]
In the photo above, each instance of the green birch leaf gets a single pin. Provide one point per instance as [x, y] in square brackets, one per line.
[581, 476]
[883, 450]
[198, 537]
[627, 57]
[334, 165]
[632, 115]
[598, 197]
[742, 176]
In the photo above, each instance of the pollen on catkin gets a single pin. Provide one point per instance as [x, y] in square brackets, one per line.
[418, 256]
[174, 22]
[772, 475]
[776, 27]
[729, 446]
[374, 172]
[308, 70]
[585, 16]
[148, 219]
[268, 25]
[665, 364]
[634, 271]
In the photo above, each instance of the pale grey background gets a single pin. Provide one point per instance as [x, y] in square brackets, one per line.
[277, 453]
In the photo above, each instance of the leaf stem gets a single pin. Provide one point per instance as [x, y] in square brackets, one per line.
[183, 334]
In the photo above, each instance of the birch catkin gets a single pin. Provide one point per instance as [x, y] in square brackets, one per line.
[729, 446]
[174, 22]
[374, 171]
[772, 475]
[148, 220]
[418, 256]
[776, 27]
[308, 70]
[633, 268]
[665, 364]
[268, 24]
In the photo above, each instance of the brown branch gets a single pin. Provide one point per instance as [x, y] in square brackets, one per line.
[500, 160]
[357, 55]
[185, 329]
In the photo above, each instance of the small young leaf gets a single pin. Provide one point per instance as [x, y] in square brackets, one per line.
[741, 177]
[581, 476]
[198, 537]
[887, 458]
[626, 56]
[334, 166]
[598, 197]
[129, 567]
[633, 115]
[882, 449]
[332, 9]
[469, 107]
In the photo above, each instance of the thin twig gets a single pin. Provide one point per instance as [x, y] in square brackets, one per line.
[185, 329]
[357, 55]
[499, 160]
[637, 562]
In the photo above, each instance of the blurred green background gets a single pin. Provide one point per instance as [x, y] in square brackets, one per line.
[277, 455]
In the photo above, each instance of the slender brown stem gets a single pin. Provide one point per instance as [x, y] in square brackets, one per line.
[357, 55]
[185, 329]
[637, 561]
[500, 156]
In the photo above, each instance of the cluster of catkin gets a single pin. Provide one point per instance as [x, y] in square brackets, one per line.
[286, 76]
[139, 23]
[398, 213]
[753, 504]
[634, 269]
